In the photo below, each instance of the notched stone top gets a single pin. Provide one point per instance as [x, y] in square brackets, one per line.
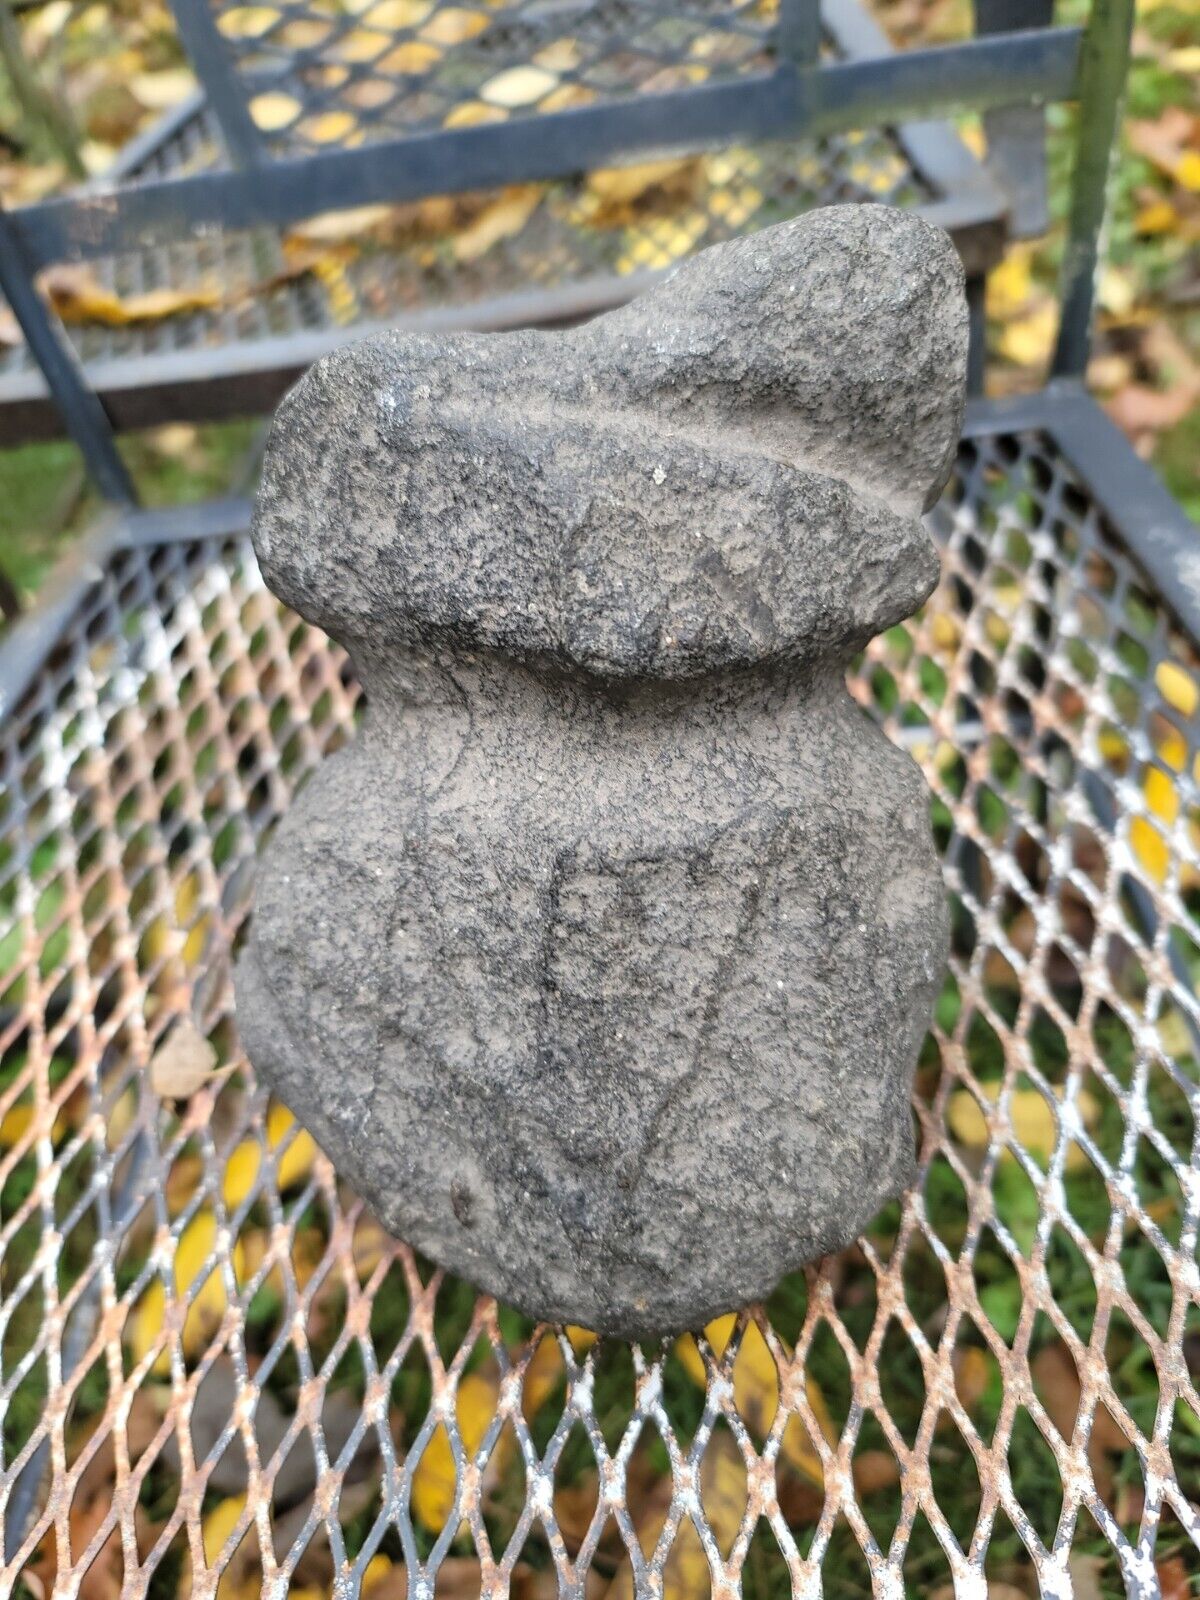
[728, 471]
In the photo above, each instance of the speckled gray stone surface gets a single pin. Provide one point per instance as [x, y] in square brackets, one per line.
[599, 962]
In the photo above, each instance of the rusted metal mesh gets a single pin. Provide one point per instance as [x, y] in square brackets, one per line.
[994, 1386]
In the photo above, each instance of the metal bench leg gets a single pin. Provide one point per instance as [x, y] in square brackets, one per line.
[1103, 66]
[82, 412]
[1016, 135]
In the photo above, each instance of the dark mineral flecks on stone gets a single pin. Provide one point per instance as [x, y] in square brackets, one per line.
[600, 961]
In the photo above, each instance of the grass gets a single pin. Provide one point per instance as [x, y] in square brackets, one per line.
[46, 503]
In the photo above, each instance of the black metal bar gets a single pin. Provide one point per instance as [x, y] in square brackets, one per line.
[1154, 527]
[210, 56]
[1104, 62]
[816, 100]
[1016, 135]
[81, 410]
[977, 349]
[970, 204]
[798, 31]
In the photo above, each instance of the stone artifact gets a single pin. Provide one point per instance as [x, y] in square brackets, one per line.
[600, 961]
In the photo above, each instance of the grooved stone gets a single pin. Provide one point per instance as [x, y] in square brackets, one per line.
[600, 961]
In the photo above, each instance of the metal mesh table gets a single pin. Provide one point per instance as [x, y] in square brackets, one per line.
[998, 1382]
[564, 249]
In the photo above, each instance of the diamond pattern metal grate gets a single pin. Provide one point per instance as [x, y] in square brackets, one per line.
[318, 74]
[997, 1385]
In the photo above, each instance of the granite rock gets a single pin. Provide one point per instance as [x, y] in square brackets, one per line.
[600, 960]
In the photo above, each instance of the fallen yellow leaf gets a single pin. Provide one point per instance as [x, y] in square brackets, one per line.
[560, 55]
[471, 113]
[296, 1161]
[581, 1340]
[159, 91]
[542, 1377]
[1161, 794]
[501, 220]
[15, 1125]
[274, 110]
[247, 22]
[623, 185]
[146, 1325]
[1030, 1116]
[1160, 216]
[377, 1571]
[78, 297]
[565, 97]
[219, 1524]
[360, 44]
[756, 1389]
[452, 25]
[435, 1480]
[193, 1253]
[249, 1253]
[1172, 748]
[335, 227]
[1010, 284]
[946, 631]
[241, 1169]
[1188, 170]
[331, 127]
[1177, 688]
[1027, 340]
[120, 1119]
[518, 86]
[1116, 291]
[1150, 848]
[414, 58]
[398, 13]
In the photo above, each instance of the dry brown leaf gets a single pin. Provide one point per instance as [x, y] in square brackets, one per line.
[1173, 1580]
[1165, 140]
[619, 186]
[1139, 409]
[78, 297]
[1057, 1381]
[337, 227]
[500, 220]
[875, 1470]
[183, 1062]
